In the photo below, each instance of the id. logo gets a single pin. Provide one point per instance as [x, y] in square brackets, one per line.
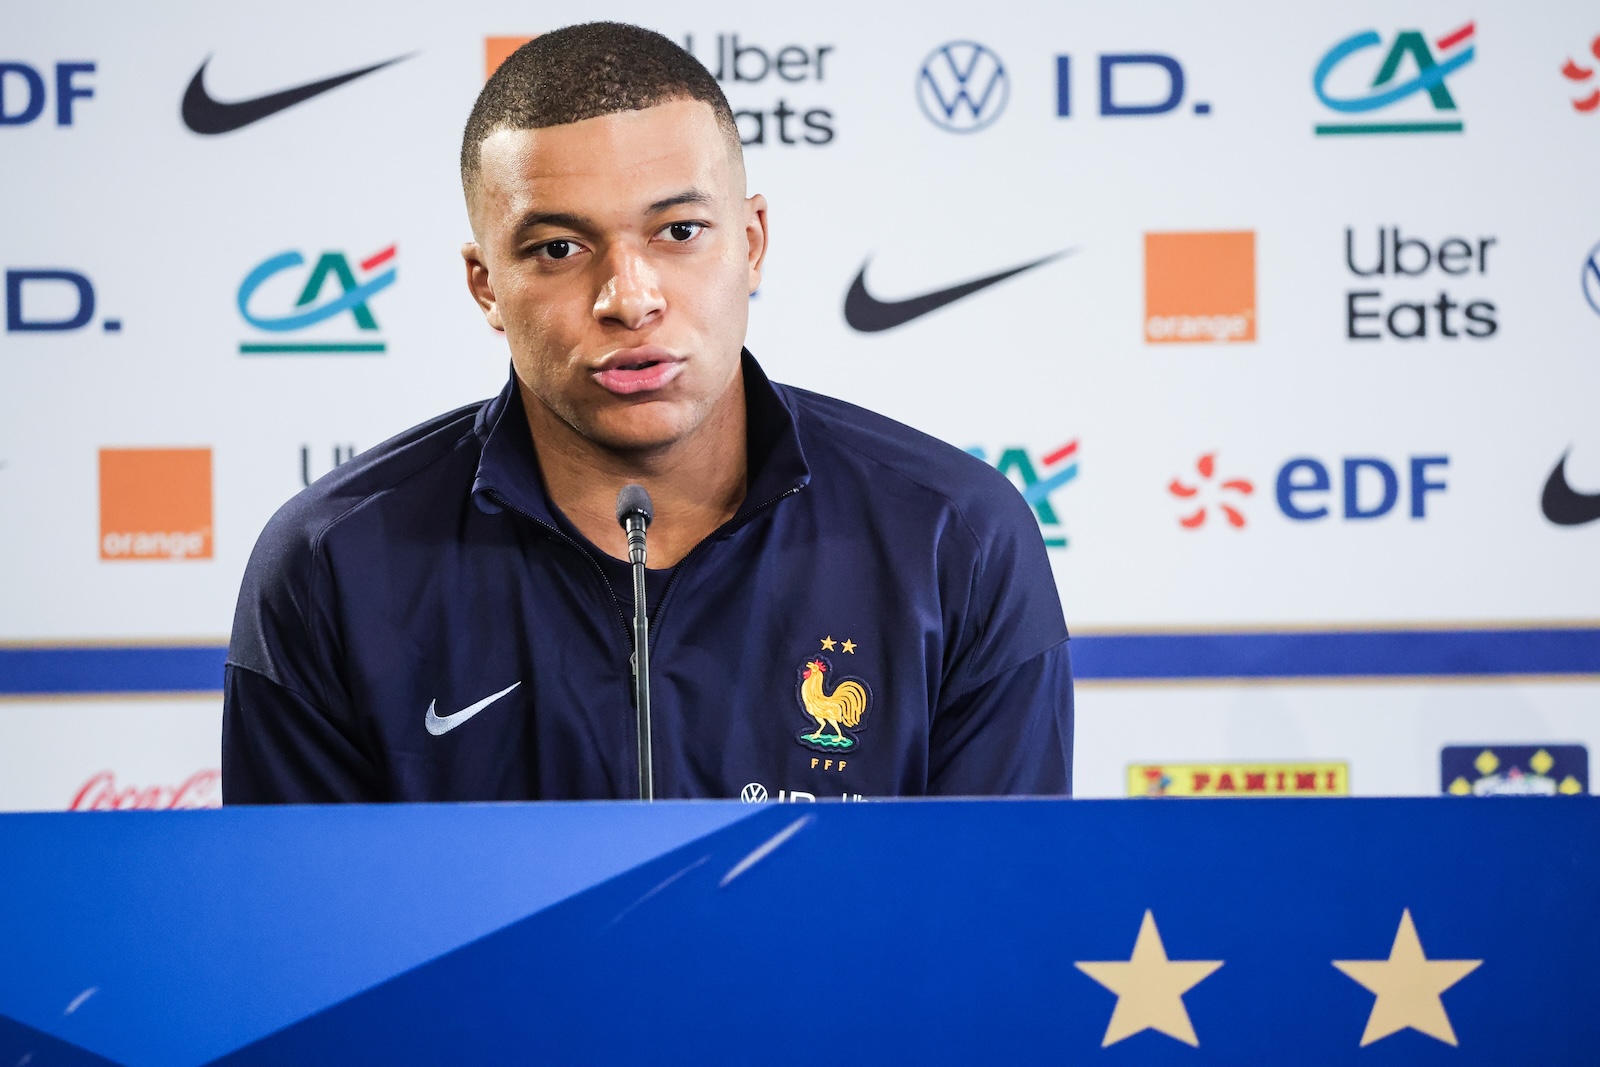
[1200, 287]
[1456, 50]
[51, 301]
[353, 297]
[963, 87]
[155, 503]
[1039, 484]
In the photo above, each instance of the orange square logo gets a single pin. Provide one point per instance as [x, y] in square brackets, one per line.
[496, 50]
[1200, 287]
[155, 503]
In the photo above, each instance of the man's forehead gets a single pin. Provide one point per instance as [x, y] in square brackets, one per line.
[629, 159]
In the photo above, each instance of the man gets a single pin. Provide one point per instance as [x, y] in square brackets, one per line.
[841, 606]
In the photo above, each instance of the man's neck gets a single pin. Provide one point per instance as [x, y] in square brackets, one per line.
[695, 485]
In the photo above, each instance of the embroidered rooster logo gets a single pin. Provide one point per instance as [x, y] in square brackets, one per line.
[842, 709]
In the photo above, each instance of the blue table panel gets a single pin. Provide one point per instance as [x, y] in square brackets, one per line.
[892, 932]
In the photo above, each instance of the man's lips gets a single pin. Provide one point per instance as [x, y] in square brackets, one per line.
[637, 370]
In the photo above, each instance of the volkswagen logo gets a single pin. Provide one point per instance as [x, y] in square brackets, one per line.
[1591, 279]
[754, 793]
[963, 87]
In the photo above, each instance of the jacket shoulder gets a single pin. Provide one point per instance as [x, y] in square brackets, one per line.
[282, 599]
[835, 431]
[385, 467]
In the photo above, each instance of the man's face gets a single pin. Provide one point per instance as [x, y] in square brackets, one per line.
[618, 255]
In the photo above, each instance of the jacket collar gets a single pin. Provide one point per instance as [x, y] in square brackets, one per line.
[508, 468]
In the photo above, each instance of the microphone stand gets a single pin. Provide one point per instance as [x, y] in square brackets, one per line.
[634, 513]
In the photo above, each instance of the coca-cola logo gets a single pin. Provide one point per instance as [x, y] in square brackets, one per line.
[202, 789]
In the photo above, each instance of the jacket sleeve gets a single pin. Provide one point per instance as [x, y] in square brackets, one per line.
[289, 735]
[1002, 723]
[279, 748]
[1010, 735]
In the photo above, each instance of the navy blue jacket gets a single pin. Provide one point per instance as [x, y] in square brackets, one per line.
[878, 619]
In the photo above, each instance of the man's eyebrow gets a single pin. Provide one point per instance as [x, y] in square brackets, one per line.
[563, 219]
[569, 221]
[692, 196]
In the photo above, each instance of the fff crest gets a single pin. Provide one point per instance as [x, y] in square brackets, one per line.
[833, 712]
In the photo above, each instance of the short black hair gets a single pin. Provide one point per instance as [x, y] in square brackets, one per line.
[580, 72]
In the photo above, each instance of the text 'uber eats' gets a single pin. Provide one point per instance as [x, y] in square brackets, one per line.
[1408, 315]
[736, 64]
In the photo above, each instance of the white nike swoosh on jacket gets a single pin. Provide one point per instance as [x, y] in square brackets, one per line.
[438, 724]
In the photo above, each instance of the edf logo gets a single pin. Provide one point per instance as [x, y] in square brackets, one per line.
[23, 94]
[51, 301]
[1132, 83]
[1370, 487]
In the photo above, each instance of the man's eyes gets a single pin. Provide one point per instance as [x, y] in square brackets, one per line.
[679, 232]
[561, 248]
[565, 247]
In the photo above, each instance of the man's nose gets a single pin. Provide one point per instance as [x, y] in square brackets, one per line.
[631, 296]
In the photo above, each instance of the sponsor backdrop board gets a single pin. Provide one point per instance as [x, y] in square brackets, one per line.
[1291, 340]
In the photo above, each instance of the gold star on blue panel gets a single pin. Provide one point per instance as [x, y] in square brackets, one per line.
[1149, 988]
[1407, 985]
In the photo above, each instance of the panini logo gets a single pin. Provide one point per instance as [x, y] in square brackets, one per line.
[1200, 287]
[155, 503]
[1239, 780]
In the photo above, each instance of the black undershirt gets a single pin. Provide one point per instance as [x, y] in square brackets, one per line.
[619, 572]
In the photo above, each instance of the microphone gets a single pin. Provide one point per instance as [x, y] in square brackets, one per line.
[634, 514]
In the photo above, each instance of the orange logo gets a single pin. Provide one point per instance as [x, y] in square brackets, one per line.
[155, 503]
[496, 50]
[1200, 287]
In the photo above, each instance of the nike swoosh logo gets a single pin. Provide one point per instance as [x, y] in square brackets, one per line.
[204, 115]
[1564, 505]
[868, 314]
[438, 725]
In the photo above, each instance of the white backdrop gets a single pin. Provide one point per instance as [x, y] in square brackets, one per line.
[166, 225]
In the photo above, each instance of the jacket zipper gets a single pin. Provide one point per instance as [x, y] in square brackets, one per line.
[622, 618]
[721, 532]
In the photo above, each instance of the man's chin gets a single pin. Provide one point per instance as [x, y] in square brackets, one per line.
[640, 430]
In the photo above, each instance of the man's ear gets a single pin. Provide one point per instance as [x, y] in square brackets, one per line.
[755, 231]
[480, 286]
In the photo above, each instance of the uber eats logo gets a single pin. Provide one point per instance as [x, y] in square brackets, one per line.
[773, 88]
[1409, 288]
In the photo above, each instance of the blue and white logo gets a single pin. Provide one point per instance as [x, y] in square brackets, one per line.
[963, 87]
[1591, 279]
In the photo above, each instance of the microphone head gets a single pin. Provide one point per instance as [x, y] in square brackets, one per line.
[633, 500]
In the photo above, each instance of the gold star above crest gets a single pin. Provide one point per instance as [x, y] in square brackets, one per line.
[849, 646]
[1407, 985]
[827, 644]
[1149, 988]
